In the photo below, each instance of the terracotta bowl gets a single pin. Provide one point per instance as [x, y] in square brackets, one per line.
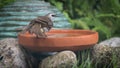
[58, 40]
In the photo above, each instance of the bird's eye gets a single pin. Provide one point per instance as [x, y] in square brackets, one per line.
[53, 15]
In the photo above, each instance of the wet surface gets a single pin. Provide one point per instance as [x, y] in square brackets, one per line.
[63, 35]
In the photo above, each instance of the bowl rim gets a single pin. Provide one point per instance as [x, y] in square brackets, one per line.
[53, 31]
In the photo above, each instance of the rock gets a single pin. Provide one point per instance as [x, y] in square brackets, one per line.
[108, 52]
[12, 55]
[64, 59]
[113, 42]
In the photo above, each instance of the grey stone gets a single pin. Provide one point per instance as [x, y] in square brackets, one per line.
[113, 42]
[64, 59]
[107, 51]
[11, 54]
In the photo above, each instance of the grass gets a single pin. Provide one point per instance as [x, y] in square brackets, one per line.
[86, 60]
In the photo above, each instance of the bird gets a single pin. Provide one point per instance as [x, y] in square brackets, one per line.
[40, 25]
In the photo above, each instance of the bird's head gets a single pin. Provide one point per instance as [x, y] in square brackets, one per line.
[51, 15]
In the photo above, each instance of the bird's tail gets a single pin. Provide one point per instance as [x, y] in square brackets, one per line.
[27, 28]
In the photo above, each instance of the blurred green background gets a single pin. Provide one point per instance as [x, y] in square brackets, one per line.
[5, 2]
[98, 15]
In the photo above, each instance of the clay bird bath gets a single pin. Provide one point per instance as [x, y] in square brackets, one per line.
[58, 40]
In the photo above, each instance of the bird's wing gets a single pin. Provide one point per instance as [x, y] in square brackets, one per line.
[44, 20]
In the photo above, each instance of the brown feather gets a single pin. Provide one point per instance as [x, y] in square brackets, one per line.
[37, 30]
[27, 27]
[36, 26]
[45, 21]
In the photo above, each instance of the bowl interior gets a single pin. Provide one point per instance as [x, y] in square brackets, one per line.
[63, 33]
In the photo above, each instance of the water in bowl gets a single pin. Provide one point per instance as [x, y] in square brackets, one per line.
[60, 35]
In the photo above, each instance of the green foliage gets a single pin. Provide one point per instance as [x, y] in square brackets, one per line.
[5, 2]
[99, 15]
[86, 60]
